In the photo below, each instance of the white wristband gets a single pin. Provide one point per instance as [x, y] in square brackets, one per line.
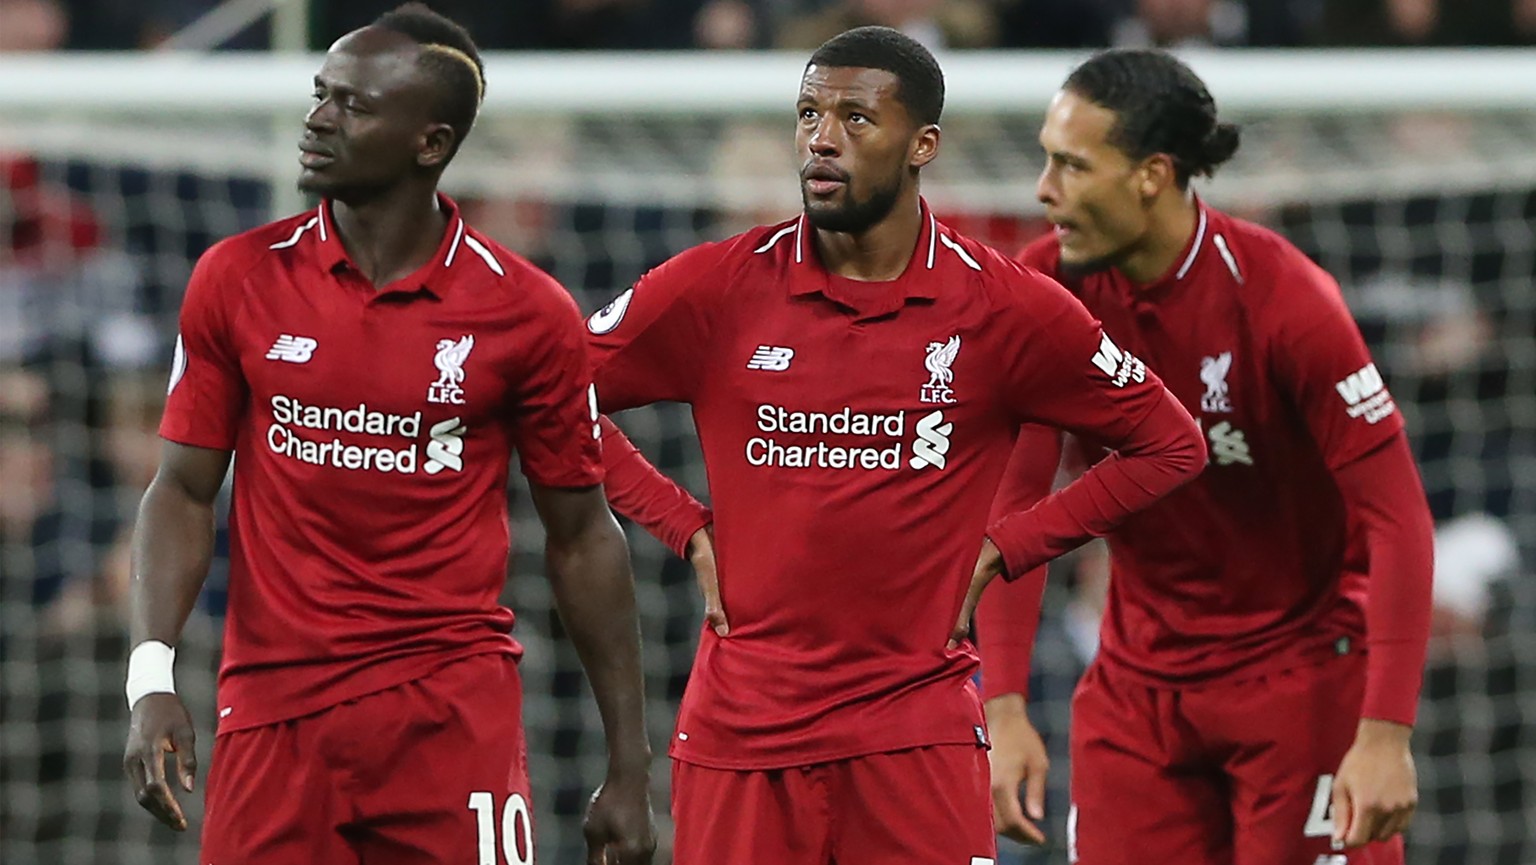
[149, 670]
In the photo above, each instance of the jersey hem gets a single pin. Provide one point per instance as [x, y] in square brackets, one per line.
[812, 758]
[1268, 665]
[407, 673]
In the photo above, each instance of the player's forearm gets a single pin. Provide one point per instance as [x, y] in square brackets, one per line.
[1382, 491]
[637, 490]
[172, 549]
[595, 594]
[1007, 619]
[1165, 451]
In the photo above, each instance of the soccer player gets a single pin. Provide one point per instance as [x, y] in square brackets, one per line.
[1261, 649]
[857, 376]
[373, 364]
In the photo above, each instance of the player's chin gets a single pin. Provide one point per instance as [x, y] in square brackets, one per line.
[314, 182]
[1077, 261]
[327, 179]
[832, 215]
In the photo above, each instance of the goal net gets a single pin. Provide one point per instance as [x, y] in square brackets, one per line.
[1410, 177]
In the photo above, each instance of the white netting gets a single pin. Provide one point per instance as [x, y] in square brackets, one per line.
[1412, 178]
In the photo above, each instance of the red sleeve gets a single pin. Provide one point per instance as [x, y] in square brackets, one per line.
[1320, 360]
[554, 423]
[1382, 490]
[1068, 373]
[641, 493]
[1009, 612]
[208, 392]
[648, 345]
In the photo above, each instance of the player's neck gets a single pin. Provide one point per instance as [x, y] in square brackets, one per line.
[879, 254]
[1172, 223]
[390, 236]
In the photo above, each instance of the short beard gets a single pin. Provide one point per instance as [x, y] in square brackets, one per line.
[854, 217]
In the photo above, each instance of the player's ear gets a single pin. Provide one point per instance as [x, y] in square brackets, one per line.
[925, 145]
[1155, 174]
[434, 146]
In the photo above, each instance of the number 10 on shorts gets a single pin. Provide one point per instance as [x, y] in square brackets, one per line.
[516, 828]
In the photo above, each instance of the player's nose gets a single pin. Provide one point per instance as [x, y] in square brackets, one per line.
[823, 141]
[1045, 187]
[321, 117]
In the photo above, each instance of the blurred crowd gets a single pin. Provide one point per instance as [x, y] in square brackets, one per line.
[803, 24]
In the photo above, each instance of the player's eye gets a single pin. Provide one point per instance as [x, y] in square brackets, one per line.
[857, 119]
[807, 114]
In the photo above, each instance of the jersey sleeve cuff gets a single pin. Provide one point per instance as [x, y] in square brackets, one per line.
[683, 523]
[573, 479]
[1001, 681]
[197, 438]
[1394, 671]
[1014, 544]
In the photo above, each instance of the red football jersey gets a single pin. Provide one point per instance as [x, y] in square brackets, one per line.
[1253, 566]
[853, 434]
[372, 432]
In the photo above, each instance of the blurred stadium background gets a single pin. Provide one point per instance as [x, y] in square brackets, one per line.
[1409, 173]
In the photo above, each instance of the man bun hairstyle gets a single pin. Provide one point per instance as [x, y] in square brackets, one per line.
[450, 56]
[920, 81]
[1160, 106]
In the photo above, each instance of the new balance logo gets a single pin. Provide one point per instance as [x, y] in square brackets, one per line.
[1121, 366]
[1366, 395]
[445, 448]
[771, 358]
[932, 441]
[293, 349]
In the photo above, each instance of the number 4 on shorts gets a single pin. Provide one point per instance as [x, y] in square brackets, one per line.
[1320, 819]
[516, 828]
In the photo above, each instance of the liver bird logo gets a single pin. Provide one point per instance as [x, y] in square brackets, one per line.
[450, 360]
[941, 356]
[1213, 373]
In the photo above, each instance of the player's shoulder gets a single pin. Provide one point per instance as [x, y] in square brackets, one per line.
[713, 266]
[1016, 288]
[1274, 275]
[483, 267]
[240, 253]
[763, 247]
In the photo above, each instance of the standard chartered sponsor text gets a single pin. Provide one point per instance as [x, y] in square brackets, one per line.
[769, 451]
[289, 415]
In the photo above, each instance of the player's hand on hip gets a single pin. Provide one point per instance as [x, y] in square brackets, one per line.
[619, 827]
[1375, 790]
[1018, 760]
[160, 725]
[989, 563]
[701, 554]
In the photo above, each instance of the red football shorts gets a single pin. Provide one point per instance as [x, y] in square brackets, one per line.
[1232, 774]
[924, 806]
[431, 771]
